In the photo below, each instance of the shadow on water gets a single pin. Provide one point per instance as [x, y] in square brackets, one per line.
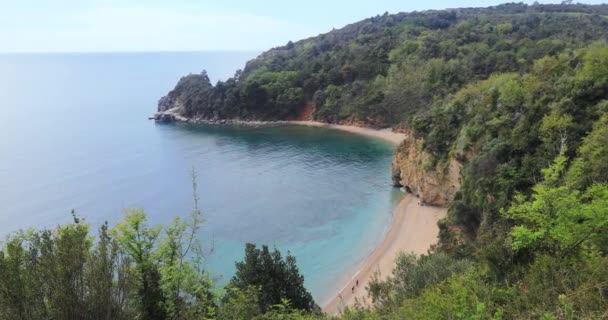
[333, 145]
[76, 137]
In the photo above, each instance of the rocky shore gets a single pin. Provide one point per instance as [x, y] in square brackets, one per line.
[174, 115]
[412, 169]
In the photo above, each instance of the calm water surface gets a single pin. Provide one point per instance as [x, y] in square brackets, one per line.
[75, 135]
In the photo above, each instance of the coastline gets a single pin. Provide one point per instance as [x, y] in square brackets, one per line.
[413, 230]
[386, 134]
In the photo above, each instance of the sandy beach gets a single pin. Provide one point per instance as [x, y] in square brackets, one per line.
[384, 134]
[413, 229]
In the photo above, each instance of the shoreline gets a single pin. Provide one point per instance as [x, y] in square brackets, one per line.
[413, 230]
[386, 134]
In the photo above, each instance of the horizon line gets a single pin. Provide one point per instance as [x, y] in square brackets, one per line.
[130, 51]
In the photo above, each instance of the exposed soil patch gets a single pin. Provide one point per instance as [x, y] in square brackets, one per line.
[306, 113]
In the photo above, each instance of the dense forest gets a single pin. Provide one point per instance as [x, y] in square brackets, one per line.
[384, 70]
[517, 94]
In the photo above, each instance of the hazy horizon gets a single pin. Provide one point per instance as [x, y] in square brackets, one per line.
[130, 52]
[109, 26]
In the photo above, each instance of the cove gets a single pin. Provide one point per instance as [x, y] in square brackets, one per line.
[322, 194]
[83, 142]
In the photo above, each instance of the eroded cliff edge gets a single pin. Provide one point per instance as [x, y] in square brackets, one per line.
[414, 169]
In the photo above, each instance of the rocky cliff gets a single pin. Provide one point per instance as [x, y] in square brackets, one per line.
[412, 169]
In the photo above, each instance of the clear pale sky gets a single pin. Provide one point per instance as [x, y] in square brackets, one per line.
[179, 25]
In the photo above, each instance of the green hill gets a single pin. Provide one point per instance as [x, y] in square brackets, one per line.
[505, 110]
[506, 114]
[383, 70]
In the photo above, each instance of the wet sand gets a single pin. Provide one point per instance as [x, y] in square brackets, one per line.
[413, 229]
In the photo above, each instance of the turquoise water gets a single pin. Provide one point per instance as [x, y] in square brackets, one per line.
[75, 135]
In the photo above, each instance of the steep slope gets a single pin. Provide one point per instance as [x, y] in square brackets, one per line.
[475, 89]
[383, 70]
[413, 169]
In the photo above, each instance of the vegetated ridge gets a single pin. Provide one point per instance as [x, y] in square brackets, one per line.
[505, 114]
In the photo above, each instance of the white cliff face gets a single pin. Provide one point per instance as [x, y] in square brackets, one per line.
[167, 102]
[433, 185]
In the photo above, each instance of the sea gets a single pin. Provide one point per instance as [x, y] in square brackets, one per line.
[75, 135]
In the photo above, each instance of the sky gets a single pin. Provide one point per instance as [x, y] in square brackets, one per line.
[186, 25]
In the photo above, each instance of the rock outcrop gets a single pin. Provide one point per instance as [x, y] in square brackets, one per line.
[170, 115]
[189, 92]
[412, 169]
[168, 102]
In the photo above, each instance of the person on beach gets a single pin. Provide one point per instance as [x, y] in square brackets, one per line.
[357, 283]
[353, 289]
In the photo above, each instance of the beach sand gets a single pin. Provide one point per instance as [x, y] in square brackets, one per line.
[384, 134]
[413, 229]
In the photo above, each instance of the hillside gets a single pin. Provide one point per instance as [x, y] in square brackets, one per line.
[470, 87]
[384, 70]
[505, 116]
[505, 112]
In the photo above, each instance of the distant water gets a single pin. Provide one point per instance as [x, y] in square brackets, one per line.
[75, 135]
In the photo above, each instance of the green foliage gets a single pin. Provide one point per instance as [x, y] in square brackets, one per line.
[411, 275]
[504, 28]
[387, 69]
[564, 288]
[595, 67]
[131, 271]
[278, 279]
[555, 265]
[517, 94]
[183, 278]
[284, 311]
[555, 128]
[60, 274]
[591, 165]
[559, 220]
[461, 297]
[138, 241]
[135, 271]
[544, 257]
[506, 128]
[511, 94]
[240, 304]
